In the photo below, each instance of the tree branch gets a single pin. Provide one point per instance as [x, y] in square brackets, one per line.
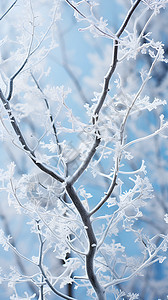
[69, 70]
[108, 194]
[111, 36]
[114, 62]
[23, 142]
[51, 117]
[145, 264]
[42, 270]
[85, 164]
[30, 51]
[25, 61]
[8, 10]
[17, 256]
[92, 242]
[13, 77]
[105, 90]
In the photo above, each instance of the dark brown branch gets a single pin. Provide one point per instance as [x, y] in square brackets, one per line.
[129, 14]
[74, 7]
[106, 83]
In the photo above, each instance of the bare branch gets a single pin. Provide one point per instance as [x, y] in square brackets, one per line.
[13, 77]
[8, 10]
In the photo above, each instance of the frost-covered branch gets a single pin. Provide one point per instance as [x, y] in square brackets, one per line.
[40, 264]
[92, 242]
[144, 138]
[68, 69]
[102, 32]
[25, 61]
[107, 194]
[103, 95]
[85, 227]
[30, 51]
[152, 259]
[144, 82]
[50, 115]
[23, 142]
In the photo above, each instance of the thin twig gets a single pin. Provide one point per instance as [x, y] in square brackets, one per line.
[144, 138]
[111, 36]
[8, 10]
[51, 117]
[103, 96]
[69, 70]
[18, 132]
[136, 97]
[147, 263]
[105, 198]
[17, 256]
[30, 52]
[25, 61]
[42, 270]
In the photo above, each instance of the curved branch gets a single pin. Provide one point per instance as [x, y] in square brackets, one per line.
[29, 53]
[115, 60]
[50, 115]
[13, 77]
[92, 242]
[25, 61]
[103, 96]
[42, 270]
[111, 36]
[85, 164]
[24, 143]
[105, 198]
